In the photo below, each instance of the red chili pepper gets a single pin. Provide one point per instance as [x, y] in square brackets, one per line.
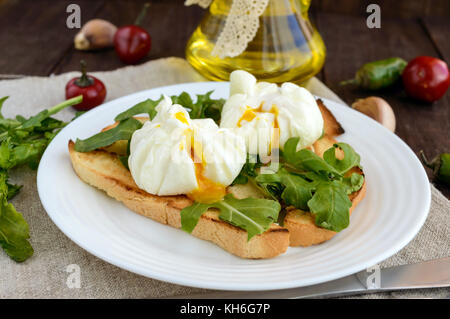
[132, 42]
[92, 89]
[426, 78]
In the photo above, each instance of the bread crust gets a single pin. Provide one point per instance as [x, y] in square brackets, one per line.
[104, 171]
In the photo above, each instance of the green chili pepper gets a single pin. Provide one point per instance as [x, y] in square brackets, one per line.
[440, 166]
[378, 74]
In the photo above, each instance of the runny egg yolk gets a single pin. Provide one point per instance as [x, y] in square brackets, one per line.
[207, 191]
[181, 117]
[250, 114]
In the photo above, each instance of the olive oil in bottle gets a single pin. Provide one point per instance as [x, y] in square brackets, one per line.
[286, 47]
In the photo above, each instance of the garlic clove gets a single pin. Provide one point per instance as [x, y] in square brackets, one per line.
[378, 109]
[95, 34]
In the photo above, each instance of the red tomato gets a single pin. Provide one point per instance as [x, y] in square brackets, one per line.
[132, 43]
[92, 89]
[426, 78]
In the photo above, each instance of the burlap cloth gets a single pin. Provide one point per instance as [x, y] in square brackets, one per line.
[44, 275]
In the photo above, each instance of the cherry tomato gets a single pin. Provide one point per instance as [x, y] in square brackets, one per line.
[132, 42]
[426, 78]
[92, 89]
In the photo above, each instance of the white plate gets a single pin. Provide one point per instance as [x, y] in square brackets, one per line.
[391, 214]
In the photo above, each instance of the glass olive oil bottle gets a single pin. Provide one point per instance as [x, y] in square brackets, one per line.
[286, 47]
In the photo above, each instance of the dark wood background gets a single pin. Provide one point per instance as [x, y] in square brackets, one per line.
[34, 40]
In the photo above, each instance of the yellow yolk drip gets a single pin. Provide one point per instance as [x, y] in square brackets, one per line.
[181, 117]
[207, 190]
[250, 114]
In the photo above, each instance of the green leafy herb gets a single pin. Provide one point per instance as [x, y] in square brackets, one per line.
[305, 159]
[204, 107]
[350, 160]
[353, 183]
[191, 215]
[22, 142]
[123, 131]
[248, 170]
[251, 214]
[14, 231]
[183, 99]
[330, 206]
[248, 174]
[313, 184]
[145, 107]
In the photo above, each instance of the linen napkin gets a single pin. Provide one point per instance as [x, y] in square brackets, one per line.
[46, 274]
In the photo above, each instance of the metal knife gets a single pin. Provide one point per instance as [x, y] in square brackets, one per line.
[428, 274]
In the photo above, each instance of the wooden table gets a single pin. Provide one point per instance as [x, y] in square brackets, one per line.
[35, 41]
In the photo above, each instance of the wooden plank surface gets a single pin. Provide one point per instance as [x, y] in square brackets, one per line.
[169, 23]
[421, 126]
[38, 43]
[389, 8]
[34, 36]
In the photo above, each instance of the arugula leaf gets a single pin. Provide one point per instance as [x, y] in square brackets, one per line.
[205, 107]
[2, 100]
[191, 215]
[353, 183]
[184, 99]
[14, 231]
[148, 106]
[350, 160]
[6, 124]
[311, 183]
[123, 131]
[29, 153]
[5, 154]
[249, 173]
[124, 158]
[251, 214]
[22, 141]
[37, 119]
[248, 170]
[330, 206]
[306, 159]
[295, 190]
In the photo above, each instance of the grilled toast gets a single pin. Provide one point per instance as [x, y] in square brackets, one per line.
[102, 169]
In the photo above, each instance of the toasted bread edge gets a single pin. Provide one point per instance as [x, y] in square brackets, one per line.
[104, 171]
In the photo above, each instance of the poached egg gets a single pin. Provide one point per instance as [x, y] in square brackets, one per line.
[267, 115]
[173, 154]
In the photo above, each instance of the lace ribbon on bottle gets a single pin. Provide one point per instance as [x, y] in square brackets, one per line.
[240, 27]
[202, 3]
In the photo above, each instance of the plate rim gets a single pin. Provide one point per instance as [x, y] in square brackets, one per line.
[397, 246]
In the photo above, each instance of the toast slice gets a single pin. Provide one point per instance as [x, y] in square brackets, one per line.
[103, 170]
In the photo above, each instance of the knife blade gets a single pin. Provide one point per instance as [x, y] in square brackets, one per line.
[428, 274]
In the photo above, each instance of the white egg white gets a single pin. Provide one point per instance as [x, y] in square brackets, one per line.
[166, 153]
[261, 112]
